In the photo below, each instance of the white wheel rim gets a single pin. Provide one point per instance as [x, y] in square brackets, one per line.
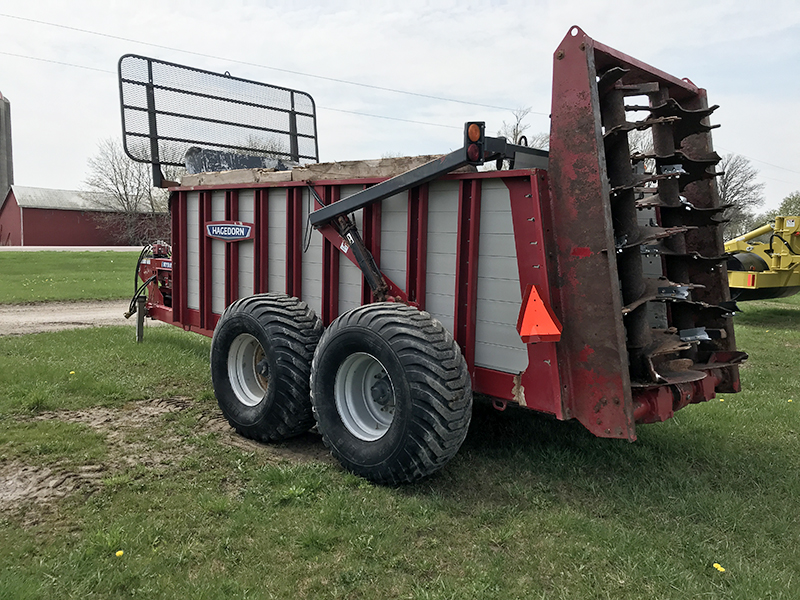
[365, 396]
[247, 370]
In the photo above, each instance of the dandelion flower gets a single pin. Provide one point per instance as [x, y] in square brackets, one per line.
[120, 553]
[72, 372]
[719, 567]
[722, 399]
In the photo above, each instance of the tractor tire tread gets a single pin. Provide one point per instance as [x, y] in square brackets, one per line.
[439, 384]
[293, 330]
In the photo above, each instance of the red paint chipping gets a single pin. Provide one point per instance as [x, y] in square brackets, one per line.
[581, 252]
[584, 354]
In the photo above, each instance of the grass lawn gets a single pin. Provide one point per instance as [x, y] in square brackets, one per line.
[49, 276]
[529, 508]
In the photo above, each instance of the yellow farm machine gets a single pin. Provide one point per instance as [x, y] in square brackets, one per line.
[758, 270]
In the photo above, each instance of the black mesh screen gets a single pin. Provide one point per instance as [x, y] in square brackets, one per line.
[168, 108]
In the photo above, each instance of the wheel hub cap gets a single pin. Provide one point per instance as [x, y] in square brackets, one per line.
[365, 396]
[248, 369]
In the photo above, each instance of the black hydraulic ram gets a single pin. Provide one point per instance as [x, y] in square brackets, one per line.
[366, 262]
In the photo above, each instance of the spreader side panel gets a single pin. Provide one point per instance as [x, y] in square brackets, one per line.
[497, 343]
[276, 240]
[441, 257]
[449, 247]
[192, 250]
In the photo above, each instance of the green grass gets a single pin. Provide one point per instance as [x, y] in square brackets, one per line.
[529, 508]
[99, 367]
[50, 276]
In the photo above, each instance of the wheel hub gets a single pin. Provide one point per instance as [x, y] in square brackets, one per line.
[248, 369]
[382, 391]
[365, 396]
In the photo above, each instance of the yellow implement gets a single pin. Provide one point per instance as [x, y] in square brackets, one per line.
[759, 270]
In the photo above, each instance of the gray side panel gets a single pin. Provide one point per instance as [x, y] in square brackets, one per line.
[218, 255]
[349, 285]
[440, 281]
[349, 274]
[246, 249]
[394, 238]
[311, 276]
[276, 245]
[193, 250]
[246, 268]
[498, 345]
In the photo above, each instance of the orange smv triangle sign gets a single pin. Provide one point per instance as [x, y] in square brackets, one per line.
[537, 322]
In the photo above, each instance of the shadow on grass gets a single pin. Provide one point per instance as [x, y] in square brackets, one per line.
[521, 452]
[769, 314]
[773, 317]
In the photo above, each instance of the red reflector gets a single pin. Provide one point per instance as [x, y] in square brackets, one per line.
[537, 322]
[751, 280]
[474, 153]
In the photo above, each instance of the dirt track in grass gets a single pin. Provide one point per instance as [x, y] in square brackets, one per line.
[127, 430]
[21, 319]
[136, 435]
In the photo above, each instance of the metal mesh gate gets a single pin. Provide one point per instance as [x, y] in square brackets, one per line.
[169, 108]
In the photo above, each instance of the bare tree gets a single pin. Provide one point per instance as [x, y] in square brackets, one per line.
[514, 132]
[516, 129]
[640, 143]
[271, 147]
[132, 207]
[540, 140]
[738, 187]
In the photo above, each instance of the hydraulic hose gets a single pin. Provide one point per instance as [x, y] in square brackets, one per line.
[138, 289]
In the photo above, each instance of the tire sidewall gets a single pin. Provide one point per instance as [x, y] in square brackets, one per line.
[229, 328]
[348, 447]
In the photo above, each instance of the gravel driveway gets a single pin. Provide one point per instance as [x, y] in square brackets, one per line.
[19, 319]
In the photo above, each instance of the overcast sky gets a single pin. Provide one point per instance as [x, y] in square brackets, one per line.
[58, 68]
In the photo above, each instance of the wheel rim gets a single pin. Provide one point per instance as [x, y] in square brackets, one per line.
[365, 396]
[248, 371]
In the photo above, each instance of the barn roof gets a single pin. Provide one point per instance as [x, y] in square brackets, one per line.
[35, 197]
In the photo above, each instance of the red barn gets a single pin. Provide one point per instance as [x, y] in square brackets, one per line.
[32, 216]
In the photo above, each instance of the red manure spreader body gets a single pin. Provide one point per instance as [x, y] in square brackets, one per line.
[374, 298]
